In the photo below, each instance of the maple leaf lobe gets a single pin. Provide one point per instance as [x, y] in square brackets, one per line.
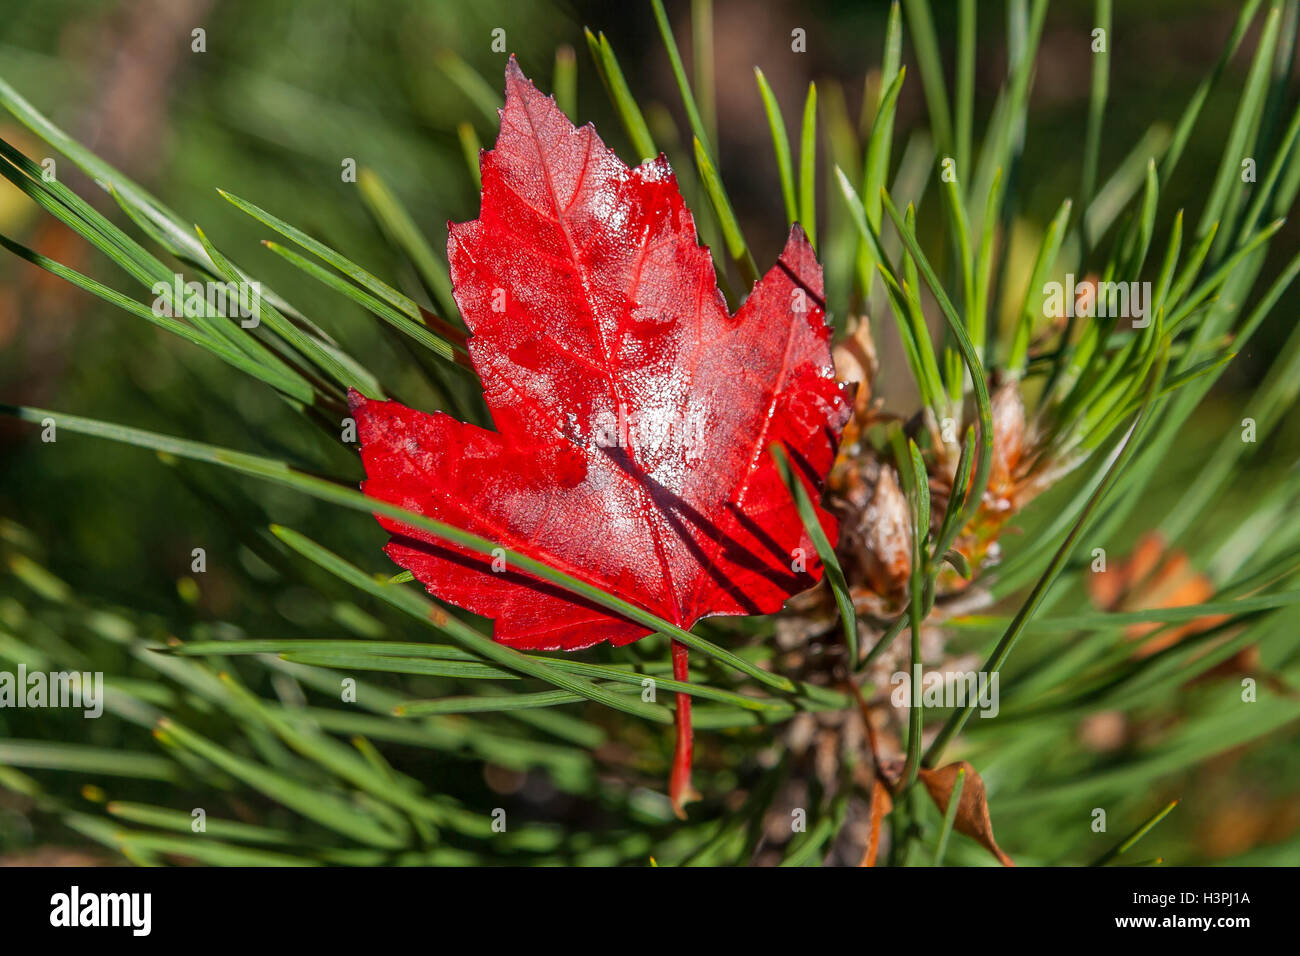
[633, 411]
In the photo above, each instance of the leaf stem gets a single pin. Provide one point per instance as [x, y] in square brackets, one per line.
[680, 790]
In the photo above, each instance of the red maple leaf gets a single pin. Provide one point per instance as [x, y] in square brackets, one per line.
[633, 412]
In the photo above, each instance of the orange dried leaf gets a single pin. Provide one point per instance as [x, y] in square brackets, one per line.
[1154, 578]
[972, 818]
[881, 804]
